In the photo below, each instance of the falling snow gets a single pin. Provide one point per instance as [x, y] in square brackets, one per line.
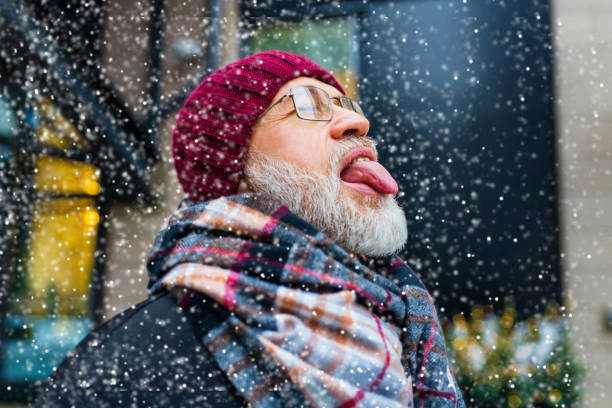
[493, 117]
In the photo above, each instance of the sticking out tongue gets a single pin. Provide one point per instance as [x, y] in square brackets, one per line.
[369, 177]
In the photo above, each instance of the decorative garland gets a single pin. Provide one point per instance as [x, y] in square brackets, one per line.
[500, 363]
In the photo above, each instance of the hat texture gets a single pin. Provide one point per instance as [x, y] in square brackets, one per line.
[212, 133]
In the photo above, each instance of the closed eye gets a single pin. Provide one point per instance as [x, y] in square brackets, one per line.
[336, 101]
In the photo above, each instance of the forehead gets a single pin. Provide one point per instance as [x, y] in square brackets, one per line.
[304, 81]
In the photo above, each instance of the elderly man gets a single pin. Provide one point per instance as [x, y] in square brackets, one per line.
[275, 283]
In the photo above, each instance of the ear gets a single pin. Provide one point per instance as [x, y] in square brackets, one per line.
[243, 187]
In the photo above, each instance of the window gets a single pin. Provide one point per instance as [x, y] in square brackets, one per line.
[331, 43]
[50, 240]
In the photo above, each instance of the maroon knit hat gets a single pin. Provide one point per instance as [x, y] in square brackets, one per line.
[213, 130]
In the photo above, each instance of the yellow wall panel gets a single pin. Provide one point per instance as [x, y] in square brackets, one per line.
[62, 246]
[62, 176]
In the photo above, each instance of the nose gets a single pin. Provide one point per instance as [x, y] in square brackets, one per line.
[346, 123]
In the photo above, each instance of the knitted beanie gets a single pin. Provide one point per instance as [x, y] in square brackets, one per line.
[212, 133]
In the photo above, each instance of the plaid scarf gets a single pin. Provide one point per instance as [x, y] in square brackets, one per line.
[309, 324]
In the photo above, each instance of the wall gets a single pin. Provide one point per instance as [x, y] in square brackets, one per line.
[583, 49]
[132, 231]
[132, 228]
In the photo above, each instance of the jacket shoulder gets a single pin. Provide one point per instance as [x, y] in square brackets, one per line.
[148, 355]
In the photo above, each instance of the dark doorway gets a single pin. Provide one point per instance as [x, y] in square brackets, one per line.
[459, 93]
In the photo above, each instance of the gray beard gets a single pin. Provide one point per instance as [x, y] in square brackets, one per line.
[366, 225]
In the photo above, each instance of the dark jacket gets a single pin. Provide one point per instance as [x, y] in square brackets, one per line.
[150, 355]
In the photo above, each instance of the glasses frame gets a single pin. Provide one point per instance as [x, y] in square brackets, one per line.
[345, 103]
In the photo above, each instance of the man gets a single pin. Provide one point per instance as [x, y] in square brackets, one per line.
[274, 284]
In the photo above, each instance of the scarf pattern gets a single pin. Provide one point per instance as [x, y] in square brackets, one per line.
[309, 324]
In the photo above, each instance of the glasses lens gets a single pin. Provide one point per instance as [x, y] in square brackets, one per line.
[311, 103]
[357, 108]
[348, 103]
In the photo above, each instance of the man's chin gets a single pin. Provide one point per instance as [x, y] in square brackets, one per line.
[371, 225]
[362, 201]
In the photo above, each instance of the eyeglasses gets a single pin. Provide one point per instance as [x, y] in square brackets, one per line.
[312, 103]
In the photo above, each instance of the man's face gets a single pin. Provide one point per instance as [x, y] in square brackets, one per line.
[327, 173]
[280, 134]
[309, 144]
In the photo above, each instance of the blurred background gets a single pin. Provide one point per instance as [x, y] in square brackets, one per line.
[494, 116]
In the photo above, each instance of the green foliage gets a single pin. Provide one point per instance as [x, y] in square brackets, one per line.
[500, 363]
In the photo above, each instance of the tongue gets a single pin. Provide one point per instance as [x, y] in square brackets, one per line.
[371, 173]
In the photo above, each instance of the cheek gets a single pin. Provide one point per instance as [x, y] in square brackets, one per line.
[306, 152]
[301, 148]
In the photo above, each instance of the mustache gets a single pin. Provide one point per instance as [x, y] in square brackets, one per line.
[346, 145]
